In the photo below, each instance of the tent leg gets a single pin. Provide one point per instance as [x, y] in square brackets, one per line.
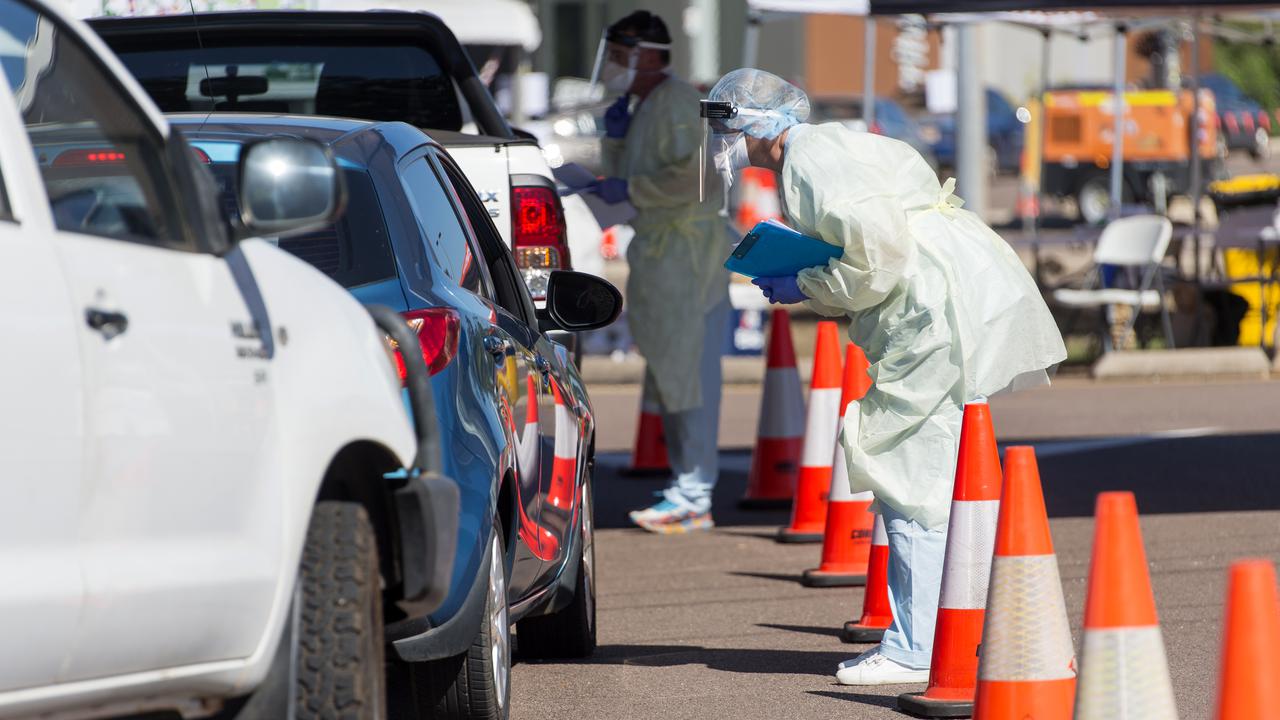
[1117, 127]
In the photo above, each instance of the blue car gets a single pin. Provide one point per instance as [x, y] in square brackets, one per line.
[1005, 134]
[1243, 124]
[516, 423]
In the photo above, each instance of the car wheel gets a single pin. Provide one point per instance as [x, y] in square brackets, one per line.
[475, 685]
[340, 643]
[1094, 200]
[571, 631]
[1261, 149]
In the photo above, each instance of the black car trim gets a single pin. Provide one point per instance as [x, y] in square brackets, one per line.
[414, 640]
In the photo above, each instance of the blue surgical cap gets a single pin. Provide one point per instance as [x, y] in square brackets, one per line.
[766, 103]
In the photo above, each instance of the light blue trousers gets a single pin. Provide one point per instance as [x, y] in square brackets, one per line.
[693, 436]
[915, 584]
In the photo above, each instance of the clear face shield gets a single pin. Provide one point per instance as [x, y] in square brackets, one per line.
[724, 148]
[615, 65]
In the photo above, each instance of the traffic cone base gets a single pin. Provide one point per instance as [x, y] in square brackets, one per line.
[823, 578]
[855, 633]
[917, 705]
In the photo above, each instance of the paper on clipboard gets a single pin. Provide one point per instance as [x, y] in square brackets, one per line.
[576, 179]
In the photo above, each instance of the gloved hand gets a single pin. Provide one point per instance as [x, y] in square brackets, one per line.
[611, 190]
[617, 119]
[781, 290]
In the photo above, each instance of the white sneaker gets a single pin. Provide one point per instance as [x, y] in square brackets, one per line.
[872, 668]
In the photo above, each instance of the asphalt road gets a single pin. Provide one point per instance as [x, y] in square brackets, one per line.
[716, 625]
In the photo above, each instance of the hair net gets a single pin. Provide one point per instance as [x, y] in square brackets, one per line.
[766, 103]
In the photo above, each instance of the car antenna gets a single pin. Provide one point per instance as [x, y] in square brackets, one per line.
[195, 24]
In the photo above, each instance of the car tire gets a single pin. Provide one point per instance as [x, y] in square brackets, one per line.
[571, 631]
[1093, 200]
[475, 685]
[340, 644]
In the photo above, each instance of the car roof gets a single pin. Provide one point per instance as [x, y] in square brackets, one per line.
[338, 134]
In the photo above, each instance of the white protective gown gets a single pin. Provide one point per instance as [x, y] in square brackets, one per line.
[676, 260]
[942, 306]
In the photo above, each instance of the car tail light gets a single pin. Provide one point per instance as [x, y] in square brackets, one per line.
[875, 128]
[1248, 122]
[1264, 120]
[1233, 125]
[437, 331]
[202, 156]
[538, 235]
[81, 158]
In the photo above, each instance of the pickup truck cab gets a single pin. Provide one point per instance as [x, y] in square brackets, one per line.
[200, 433]
[373, 65]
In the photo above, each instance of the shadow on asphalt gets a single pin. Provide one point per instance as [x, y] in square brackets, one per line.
[734, 660]
[803, 629]
[884, 701]
[1211, 473]
[792, 579]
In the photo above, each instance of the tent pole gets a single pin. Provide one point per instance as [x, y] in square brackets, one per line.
[1036, 220]
[751, 42]
[1194, 143]
[1117, 128]
[971, 122]
[869, 73]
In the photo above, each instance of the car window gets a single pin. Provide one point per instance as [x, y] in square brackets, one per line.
[440, 225]
[394, 81]
[101, 160]
[510, 290]
[355, 250]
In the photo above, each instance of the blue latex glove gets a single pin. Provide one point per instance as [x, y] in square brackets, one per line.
[611, 190]
[617, 119]
[781, 290]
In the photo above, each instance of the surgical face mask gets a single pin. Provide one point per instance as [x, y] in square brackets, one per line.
[616, 78]
[733, 160]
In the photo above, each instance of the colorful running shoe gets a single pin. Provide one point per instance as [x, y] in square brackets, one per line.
[668, 518]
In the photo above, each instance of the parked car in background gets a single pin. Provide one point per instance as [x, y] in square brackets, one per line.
[891, 121]
[1243, 124]
[1005, 134]
[517, 428]
[373, 65]
[212, 494]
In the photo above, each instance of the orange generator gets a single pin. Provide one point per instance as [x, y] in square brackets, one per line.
[1078, 145]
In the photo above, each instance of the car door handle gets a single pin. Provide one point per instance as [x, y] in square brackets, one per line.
[543, 366]
[109, 323]
[497, 346]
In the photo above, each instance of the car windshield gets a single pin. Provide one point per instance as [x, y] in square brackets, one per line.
[353, 251]
[384, 82]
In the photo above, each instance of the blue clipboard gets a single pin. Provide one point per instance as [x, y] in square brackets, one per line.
[772, 249]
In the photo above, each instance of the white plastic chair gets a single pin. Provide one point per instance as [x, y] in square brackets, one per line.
[1137, 243]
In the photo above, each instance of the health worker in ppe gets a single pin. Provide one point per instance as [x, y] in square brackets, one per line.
[677, 290]
[944, 309]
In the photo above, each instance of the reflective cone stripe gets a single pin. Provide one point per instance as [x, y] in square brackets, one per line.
[966, 568]
[809, 507]
[528, 450]
[1027, 663]
[780, 434]
[846, 538]
[877, 615]
[564, 465]
[1124, 674]
[650, 454]
[1248, 686]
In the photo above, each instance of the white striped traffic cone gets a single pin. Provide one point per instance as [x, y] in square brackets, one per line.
[809, 504]
[780, 433]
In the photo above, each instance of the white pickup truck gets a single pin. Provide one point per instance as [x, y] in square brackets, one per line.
[208, 492]
[372, 65]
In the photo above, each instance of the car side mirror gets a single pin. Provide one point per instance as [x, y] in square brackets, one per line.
[287, 185]
[578, 301]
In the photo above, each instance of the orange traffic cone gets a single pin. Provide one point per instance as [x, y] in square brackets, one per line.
[809, 506]
[846, 539]
[564, 465]
[650, 454]
[529, 446]
[966, 567]
[780, 434]
[1123, 671]
[1026, 668]
[877, 614]
[1248, 686]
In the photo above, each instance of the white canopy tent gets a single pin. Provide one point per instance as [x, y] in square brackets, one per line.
[508, 23]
